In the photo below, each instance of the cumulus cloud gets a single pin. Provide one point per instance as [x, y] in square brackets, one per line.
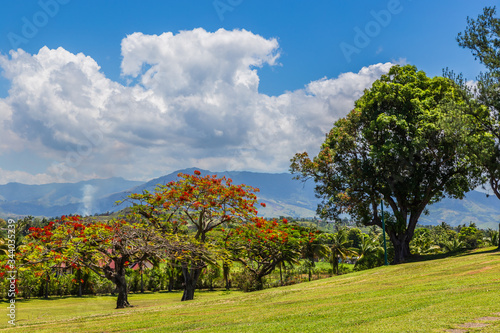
[9, 176]
[191, 99]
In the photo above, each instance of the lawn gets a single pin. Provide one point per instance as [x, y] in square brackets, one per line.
[423, 296]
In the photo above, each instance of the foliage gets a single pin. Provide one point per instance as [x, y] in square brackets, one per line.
[261, 245]
[404, 143]
[105, 248]
[482, 37]
[370, 253]
[453, 245]
[314, 247]
[471, 237]
[355, 236]
[340, 248]
[202, 203]
[492, 237]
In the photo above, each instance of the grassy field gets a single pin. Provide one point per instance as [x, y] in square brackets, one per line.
[426, 296]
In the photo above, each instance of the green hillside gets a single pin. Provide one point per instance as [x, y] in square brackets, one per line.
[448, 294]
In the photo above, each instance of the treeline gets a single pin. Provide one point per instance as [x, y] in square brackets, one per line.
[316, 254]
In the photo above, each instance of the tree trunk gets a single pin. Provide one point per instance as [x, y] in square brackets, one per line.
[47, 286]
[79, 279]
[190, 279]
[260, 284]
[117, 276]
[225, 272]
[121, 287]
[401, 245]
[142, 282]
[170, 283]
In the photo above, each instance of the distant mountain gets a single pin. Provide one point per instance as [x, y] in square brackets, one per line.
[283, 196]
[58, 198]
[476, 207]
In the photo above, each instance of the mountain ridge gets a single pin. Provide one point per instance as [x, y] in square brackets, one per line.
[283, 196]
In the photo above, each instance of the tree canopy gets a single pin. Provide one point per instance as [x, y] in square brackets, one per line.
[196, 202]
[404, 143]
[482, 37]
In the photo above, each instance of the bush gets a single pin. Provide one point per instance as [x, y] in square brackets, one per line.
[246, 281]
[471, 237]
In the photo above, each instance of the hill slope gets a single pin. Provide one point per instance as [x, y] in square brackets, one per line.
[427, 296]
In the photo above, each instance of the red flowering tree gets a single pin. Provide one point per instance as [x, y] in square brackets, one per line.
[262, 245]
[107, 248]
[198, 203]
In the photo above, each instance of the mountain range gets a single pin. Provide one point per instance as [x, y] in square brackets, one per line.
[283, 196]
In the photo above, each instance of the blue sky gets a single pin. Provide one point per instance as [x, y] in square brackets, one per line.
[95, 94]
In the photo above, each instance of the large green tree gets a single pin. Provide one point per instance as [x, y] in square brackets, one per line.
[404, 143]
[482, 37]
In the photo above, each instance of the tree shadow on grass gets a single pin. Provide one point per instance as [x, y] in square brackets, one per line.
[56, 298]
[453, 254]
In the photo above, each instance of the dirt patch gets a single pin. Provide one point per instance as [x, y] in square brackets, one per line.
[472, 325]
[487, 262]
[479, 270]
[488, 318]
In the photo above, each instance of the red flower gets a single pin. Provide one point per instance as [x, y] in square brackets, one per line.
[196, 172]
[263, 204]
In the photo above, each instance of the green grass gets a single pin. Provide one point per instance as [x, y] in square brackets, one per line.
[422, 296]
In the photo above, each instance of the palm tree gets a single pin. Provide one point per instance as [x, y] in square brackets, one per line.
[4, 248]
[340, 248]
[369, 248]
[315, 249]
[422, 242]
[491, 237]
[453, 245]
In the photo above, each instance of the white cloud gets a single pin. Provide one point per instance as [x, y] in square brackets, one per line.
[8, 176]
[192, 100]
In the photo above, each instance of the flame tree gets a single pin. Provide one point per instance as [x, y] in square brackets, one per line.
[106, 248]
[261, 245]
[199, 204]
